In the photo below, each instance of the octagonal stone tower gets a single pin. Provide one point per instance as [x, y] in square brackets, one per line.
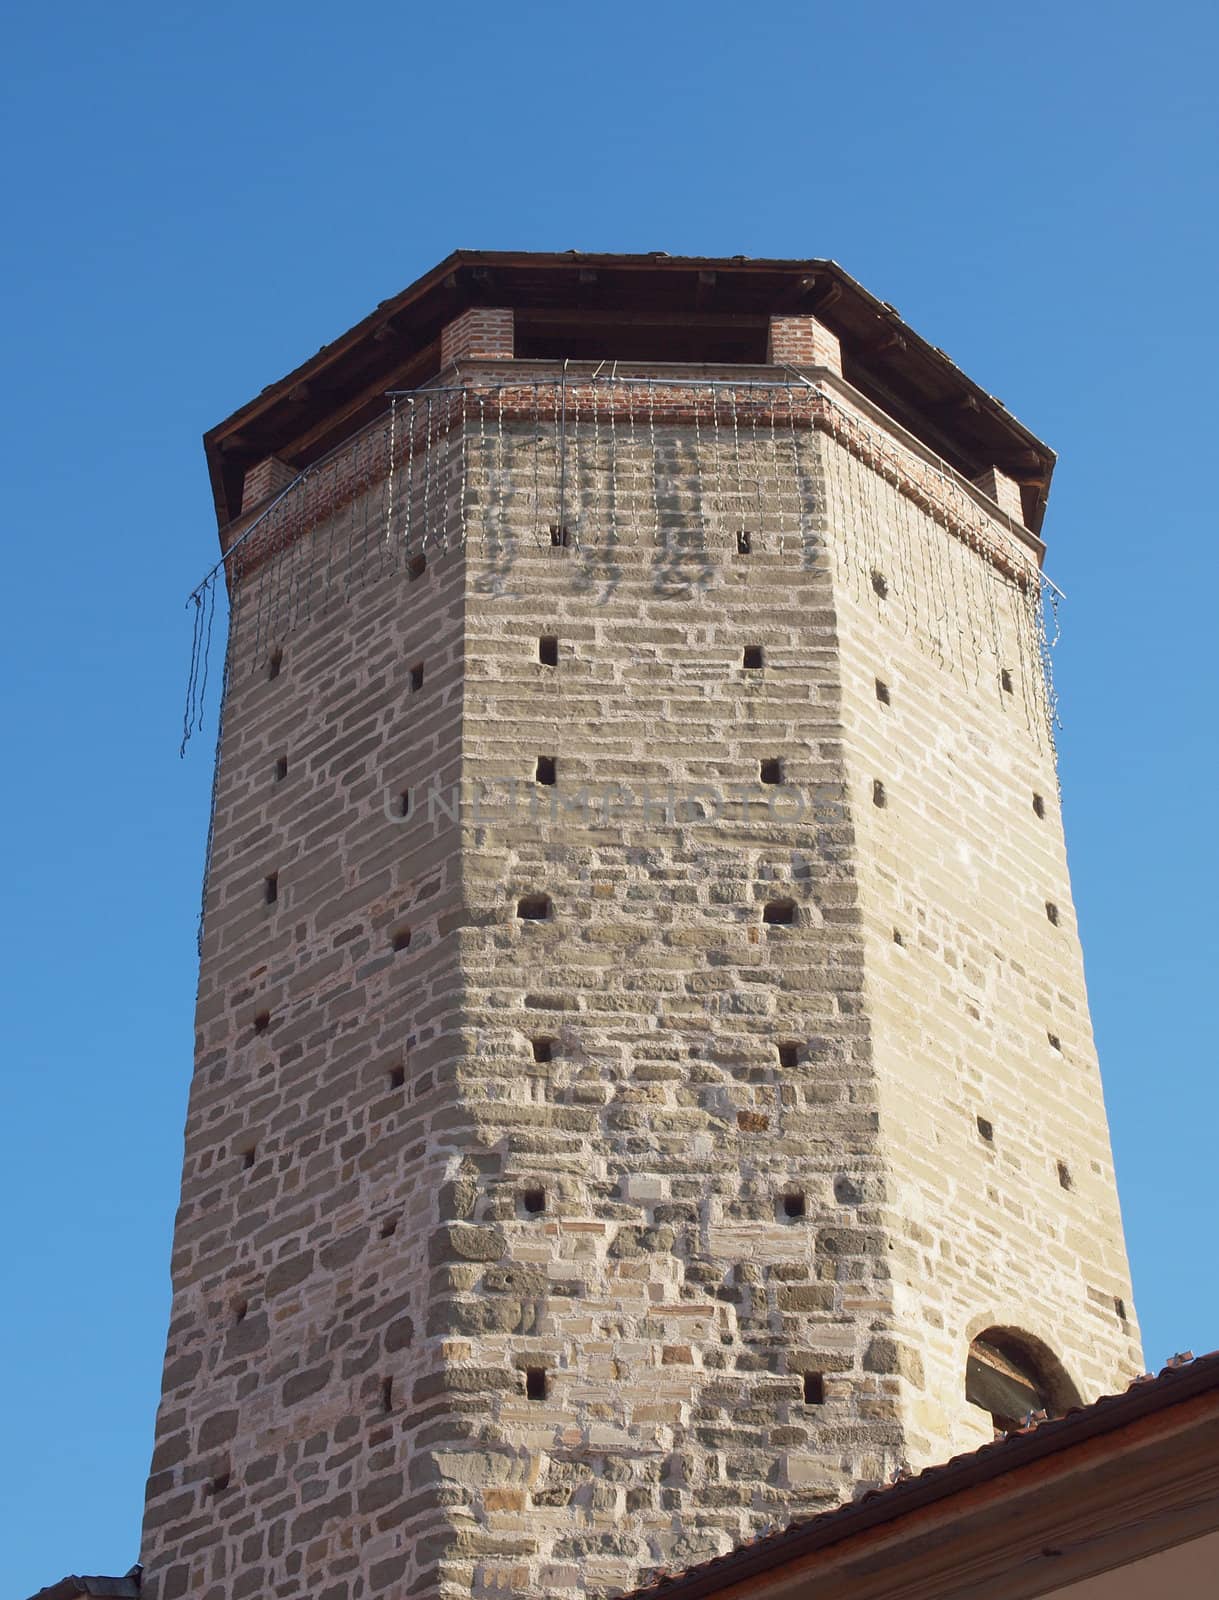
[644, 1086]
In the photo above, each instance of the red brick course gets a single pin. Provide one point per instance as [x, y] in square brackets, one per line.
[803, 342]
[485, 334]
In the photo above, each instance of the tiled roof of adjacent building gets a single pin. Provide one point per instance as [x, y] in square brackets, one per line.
[1185, 1377]
[75, 1586]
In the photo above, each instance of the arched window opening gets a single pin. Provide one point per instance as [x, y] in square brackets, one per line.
[1006, 1377]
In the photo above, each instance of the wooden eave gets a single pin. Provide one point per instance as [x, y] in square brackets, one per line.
[631, 308]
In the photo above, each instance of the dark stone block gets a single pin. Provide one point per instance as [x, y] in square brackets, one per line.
[344, 1251]
[310, 1523]
[175, 1582]
[304, 1384]
[246, 1336]
[218, 1429]
[399, 1335]
[380, 1492]
[287, 1274]
[182, 1371]
[384, 1574]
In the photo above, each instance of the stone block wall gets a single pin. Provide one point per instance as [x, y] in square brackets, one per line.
[316, 1145]
[707, 1068]
[579, 1174]
[1003, 1197]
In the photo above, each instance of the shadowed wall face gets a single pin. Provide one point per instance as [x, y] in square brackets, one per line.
[580, 1175]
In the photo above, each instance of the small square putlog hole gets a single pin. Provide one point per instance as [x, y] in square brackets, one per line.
[548, 650]
[752, 657]
[779, 913]
[534, 1200]
[814, 1389]
[772, 770]
[794, 1205]
[533, 907]
[546, 770]
[535, 1383]
[417, 677]
[400, 939]
[543, 1049]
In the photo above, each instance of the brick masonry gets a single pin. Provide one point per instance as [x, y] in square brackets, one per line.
[485, 1280]
[481, 334]
[1004, 491]
[803, 342]
[264, 480]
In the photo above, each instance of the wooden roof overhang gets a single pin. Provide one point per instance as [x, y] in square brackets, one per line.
[634, 308]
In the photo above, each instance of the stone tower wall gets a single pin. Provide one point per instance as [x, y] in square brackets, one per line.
[391, 1371]
[672, 1303]
[317, 1137]
[980, 1011]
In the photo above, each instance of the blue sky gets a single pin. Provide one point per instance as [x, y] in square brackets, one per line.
[199, 197]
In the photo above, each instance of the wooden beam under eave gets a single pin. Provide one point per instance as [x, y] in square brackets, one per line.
[799, 298]
[610, 317]
[403, 376]
[962, 453]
